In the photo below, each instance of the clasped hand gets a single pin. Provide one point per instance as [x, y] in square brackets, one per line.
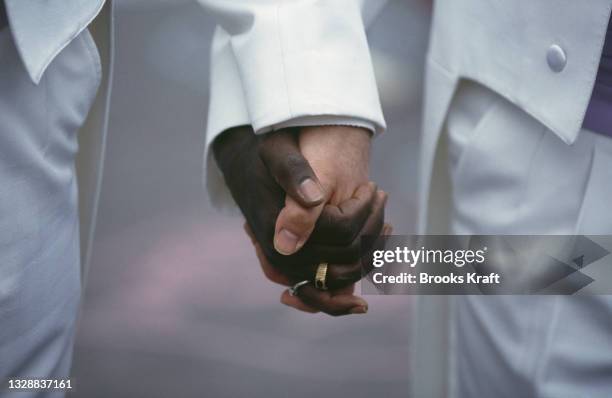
[306, 199]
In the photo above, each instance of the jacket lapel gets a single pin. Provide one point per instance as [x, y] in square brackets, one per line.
[42, 28]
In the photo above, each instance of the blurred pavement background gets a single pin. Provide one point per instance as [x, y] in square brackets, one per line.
[176, 305]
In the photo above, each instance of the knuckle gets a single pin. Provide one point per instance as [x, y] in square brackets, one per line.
[291, 169]
[346, 229]
[300, 222]
[295, 162]
[342, 227]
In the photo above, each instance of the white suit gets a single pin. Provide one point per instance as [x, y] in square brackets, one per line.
[50, 74]
[503, 152]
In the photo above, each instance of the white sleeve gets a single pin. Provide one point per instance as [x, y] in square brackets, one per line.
[278, 61]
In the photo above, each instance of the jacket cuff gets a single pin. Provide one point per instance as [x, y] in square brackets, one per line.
[308, 58]
[324, 120]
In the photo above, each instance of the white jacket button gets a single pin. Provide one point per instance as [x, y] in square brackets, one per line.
[556, 58]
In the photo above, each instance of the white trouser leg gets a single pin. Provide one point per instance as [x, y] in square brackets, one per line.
[511, 175]
[39, 246]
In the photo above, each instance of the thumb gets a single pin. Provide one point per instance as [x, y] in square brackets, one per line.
[281, 154]
[294, 226]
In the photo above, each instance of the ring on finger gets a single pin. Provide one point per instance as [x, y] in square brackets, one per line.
[320, 276]
[294, 290]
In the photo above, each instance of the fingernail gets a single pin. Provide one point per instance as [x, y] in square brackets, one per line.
[311, 191]
[359, 310]
[286, 242]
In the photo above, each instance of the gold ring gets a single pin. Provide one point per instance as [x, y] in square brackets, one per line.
[320, 276]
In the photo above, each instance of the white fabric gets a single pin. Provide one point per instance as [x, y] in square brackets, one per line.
[512, 175]
[39, 234]
[42, 28]
[322, 121]
[270, 65]
[503, 46]
[278, 57]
